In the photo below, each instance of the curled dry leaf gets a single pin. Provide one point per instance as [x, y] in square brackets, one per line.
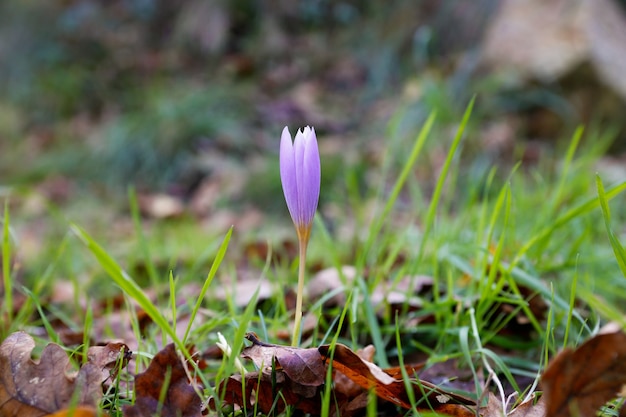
[370, 376]
[528, 408]
[30, 388]
[80, 411]
[291, 376]
[268, 391]
[288, 376]
[346, 385]
[578, 382]
[303, 366]
[107, 358]
[180, 400]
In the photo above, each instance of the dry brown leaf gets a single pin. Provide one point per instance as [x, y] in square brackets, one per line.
[31, 388]
[291, 376]
[528, 408]
[369, 376]
[80, 411]
[346, 385]
[106, 358]
[161, 206]
[578, 382]
[181, 399]
[288, 376]
[242, 290]
[268, 392]
[328, 280]
[303, 366]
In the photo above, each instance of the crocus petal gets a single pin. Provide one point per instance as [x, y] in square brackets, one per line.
[298, 150]
[312, 174]
[288, 172]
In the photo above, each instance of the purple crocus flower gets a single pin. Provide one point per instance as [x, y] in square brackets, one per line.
[300, 176]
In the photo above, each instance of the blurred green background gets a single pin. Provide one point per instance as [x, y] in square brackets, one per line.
[185, 100]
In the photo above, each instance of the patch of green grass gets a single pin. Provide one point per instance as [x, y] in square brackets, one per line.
[492, 249]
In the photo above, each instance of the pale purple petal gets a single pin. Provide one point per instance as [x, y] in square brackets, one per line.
[312, 174]
[298, 150]
[288, 172]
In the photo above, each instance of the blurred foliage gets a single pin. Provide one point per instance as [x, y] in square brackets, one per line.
[132, 91]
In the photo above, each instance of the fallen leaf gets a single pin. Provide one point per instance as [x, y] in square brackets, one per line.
[370, 376]
[578, 382]
[303, 366]
[161, 206]
[528, 408]
[30, 388]
[80, 411]
[180, 400]
[281, 251]
[267, 392]
[346, 385]
[291, 376]
[330, 279]
[447, 374]
[106, 358]
[242, 290]
[288, 376]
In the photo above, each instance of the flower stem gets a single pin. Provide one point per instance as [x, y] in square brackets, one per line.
[303, 242]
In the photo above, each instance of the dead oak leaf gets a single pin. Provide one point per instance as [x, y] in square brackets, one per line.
[106, 358]
[370, 376]
[267, 392]
[180, 400]
[80, 411]
[303, 366]
[530, 407]
[347, 386]
[578, 382]
[30, 388]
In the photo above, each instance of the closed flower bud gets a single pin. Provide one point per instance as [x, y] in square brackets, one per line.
[300, 177]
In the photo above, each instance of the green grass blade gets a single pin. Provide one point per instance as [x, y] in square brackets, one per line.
[406, 170]
[567, 164]
[434, 203]
[143, 244]
[6, 266]
[128, 285]
[580, 210]
[618, 249]
[207, 282]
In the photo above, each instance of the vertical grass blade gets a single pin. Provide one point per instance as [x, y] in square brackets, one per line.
[578, 211]
[143, 244]
[128, 285]
[207, 282]
[434, 203]
[6, 265]
[406, 170]
[618, 249]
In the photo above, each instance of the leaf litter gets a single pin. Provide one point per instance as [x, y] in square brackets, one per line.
[296, 376]
[577, 382]
[165, 389]
[30, 388]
